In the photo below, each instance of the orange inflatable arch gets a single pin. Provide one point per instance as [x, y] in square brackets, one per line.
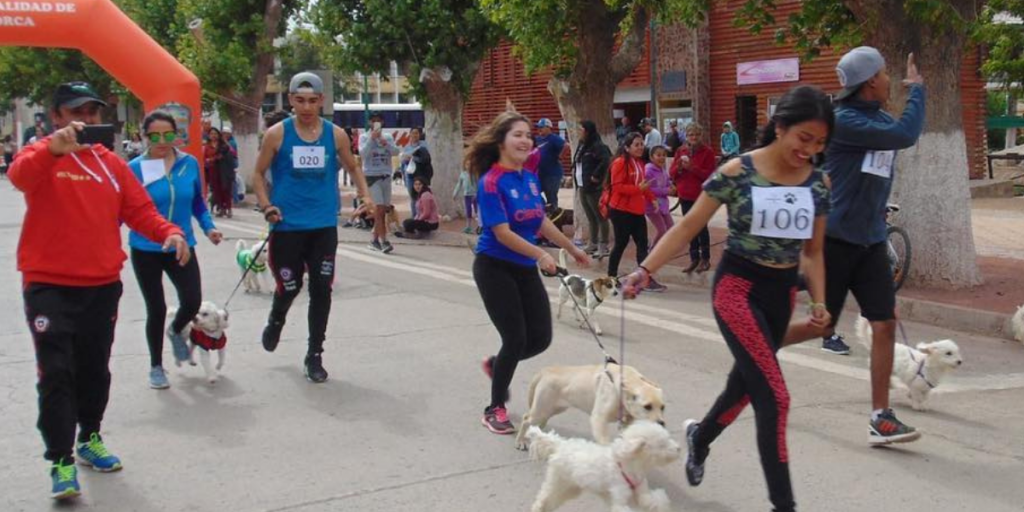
[101, 31]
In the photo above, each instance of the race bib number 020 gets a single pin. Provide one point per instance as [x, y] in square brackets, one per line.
[878, 163]
[782, 212]
[308, 157]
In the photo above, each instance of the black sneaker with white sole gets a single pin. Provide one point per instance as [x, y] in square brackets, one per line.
[835, 344]
[386, 247]
[314, 368]
[375, 245]
[886, 429]
[694, 459]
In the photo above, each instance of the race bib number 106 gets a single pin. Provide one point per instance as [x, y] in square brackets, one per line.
[308, 157]
[782, 212]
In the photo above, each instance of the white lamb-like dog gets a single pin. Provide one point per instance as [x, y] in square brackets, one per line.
[1017, 324]
[920, 369]
[207, 334]
[617, 472]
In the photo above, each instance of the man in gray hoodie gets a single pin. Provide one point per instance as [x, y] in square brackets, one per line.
[860, 162]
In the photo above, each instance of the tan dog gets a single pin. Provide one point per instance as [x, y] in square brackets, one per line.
[588, 294]
[591, 389]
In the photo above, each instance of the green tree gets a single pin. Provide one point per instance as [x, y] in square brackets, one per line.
[577, 40]
[438, 44]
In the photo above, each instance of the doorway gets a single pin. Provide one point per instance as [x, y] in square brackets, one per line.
[746, 121]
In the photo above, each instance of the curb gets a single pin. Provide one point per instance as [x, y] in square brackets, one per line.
[948, 316]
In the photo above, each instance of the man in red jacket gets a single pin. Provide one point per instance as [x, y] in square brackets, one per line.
[70, 258]
[693, 165]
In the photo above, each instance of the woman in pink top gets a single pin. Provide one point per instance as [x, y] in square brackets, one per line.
[662, 187]
[427, 219]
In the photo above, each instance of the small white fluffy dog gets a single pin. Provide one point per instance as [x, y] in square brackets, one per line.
[1017, 324]
[589, 293]
[258, 276]
[920, 369]
[206, 332]
[617, 472]
[591, 389]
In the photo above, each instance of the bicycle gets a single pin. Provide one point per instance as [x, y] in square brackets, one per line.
[897, 246]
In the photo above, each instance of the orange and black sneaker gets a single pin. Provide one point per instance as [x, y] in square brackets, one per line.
[886, 429]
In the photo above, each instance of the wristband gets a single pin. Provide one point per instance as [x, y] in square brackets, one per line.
[811, 306]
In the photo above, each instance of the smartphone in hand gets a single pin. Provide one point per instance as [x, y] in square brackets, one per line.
[97, 134]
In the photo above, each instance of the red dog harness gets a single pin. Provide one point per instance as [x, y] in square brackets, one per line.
[207, 342]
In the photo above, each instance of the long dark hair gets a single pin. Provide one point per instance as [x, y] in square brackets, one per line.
[484, 150]
[627, 142]
[159, 115]
[426, 188]
[592, 136]
[799, 105]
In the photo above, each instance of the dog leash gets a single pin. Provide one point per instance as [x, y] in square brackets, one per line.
[561, 273]
[920, 364]
[249, 267]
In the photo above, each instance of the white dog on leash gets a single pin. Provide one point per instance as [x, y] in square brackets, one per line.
[255, 260]
[207, 334]
[920, 369]
[617, 472]
[589, 294]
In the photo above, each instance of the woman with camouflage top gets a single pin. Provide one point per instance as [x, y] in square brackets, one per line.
[778, 205]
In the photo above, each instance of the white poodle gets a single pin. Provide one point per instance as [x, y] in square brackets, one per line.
[617, 472]
[207, 334]
[920, 369]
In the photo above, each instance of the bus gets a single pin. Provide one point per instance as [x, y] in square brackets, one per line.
[398, 117]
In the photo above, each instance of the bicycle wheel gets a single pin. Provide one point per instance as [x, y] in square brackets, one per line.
[898, 248]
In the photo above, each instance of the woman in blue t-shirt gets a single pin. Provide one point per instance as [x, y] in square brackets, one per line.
[171, 178]
[507, 257]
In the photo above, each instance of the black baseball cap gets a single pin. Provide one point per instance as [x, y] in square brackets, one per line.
[75, 94]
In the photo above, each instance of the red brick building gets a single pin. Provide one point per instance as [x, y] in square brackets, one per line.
[712, 74]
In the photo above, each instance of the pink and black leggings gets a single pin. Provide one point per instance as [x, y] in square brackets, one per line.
[753, 305]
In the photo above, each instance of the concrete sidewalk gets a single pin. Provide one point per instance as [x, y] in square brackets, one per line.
[998, 233]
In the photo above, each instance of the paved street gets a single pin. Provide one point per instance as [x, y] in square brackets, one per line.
[396, 428]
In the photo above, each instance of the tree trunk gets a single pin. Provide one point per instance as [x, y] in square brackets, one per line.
[931, 178]
[588, 92]
[443, 115]
[245, 111]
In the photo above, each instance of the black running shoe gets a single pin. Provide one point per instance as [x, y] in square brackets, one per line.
[835, 344]
[694, 459]
[386, 247]
[315, 368]
[272, 334]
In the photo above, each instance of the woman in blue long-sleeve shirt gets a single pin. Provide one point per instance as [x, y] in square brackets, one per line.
[172, 180]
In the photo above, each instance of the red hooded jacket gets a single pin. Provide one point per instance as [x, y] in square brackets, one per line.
[72, 230]
[627, 196]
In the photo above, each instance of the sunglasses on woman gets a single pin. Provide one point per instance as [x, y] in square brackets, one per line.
[158, 137]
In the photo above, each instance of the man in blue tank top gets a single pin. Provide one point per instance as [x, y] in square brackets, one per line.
[303, 154]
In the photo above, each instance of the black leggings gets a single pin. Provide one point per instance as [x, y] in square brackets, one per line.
[517, 303]
[753, 305]
[150, 268]
[292, 253]
[626, 225]
[700, 245]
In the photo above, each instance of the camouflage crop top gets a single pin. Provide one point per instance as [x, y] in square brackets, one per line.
[768, 222]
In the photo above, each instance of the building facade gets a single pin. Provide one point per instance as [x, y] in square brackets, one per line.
[711, 74]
